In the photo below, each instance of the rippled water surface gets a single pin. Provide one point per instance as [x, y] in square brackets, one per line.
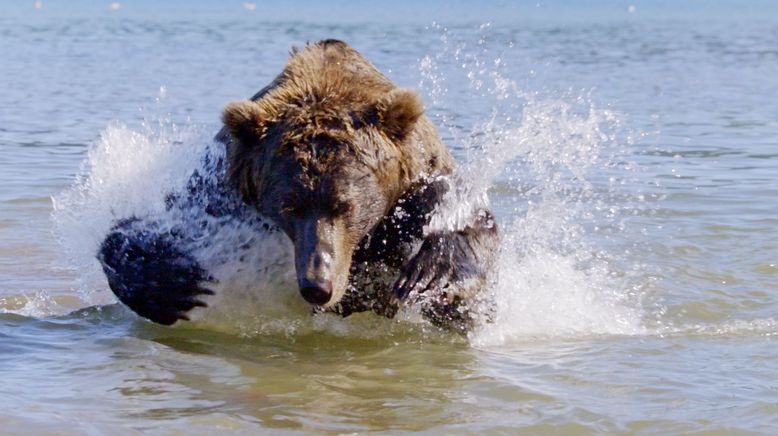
[630, 154]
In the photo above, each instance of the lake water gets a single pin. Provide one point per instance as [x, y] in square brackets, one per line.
[630, 153]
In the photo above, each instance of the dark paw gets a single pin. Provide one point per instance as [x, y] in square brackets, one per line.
[427, 270]
[446, 268]
[149, 274]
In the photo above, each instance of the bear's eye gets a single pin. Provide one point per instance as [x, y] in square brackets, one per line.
[339, 208]
[292, 208]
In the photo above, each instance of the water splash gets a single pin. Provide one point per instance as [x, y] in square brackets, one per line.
[126, 173]
[555, 162]
[37, 304]
[138, 173]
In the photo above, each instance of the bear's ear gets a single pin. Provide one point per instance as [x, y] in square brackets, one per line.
[397, 112]
[246, 120]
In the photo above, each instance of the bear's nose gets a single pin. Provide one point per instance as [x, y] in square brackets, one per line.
[316, 293]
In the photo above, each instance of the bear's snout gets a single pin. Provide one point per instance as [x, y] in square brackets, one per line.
[321, 260]
[318, 293]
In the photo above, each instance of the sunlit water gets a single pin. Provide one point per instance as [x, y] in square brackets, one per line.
[632, 161]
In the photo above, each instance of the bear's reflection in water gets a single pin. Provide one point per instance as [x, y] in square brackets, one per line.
[361, 373]
[381, 381]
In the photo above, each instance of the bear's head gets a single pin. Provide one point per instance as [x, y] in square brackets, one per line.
[326, 167]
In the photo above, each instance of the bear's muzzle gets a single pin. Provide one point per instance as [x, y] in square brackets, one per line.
[321, 260]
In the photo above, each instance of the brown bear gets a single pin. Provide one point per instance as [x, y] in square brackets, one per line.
[348, 166]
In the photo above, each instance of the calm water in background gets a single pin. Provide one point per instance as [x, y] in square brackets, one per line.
[632, 159]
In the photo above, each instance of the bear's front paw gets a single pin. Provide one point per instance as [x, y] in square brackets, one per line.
[444, 269]
[151, 276]
[425, 271]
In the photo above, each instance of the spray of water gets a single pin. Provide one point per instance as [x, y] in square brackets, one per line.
[137, 173]
[545, 158]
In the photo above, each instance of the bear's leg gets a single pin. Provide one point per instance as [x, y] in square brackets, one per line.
[150, 274]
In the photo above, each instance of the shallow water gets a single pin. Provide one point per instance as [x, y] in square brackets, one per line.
[631, 159]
